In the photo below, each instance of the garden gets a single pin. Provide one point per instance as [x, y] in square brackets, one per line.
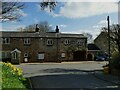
[11, 77]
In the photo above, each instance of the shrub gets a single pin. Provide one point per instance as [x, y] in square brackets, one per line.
[115, 61]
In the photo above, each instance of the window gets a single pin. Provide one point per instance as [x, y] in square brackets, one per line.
[5, 54]
[80, 42]
[67, 42]
[63, 55]
[26, 55]
[5, 40]
[41, 56]
[27, 41]
[49, 42]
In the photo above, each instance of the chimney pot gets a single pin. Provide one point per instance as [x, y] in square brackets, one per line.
[57, 29]
[37, 28]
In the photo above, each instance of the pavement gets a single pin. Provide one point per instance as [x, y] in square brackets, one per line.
[107, 77]
[70, 75]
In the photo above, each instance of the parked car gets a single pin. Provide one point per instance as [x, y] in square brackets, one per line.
[99, 58]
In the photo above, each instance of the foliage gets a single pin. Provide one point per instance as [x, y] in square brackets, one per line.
[11, 11]
[115, 62]
[48, 4]
[12, 76]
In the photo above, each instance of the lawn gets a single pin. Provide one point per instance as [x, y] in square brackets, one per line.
[11, 77]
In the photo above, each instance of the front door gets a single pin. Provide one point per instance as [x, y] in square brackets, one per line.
[15, 56]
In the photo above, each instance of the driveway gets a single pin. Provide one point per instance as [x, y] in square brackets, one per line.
[67, 75]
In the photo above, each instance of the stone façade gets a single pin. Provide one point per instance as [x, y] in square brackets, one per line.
[60, 47]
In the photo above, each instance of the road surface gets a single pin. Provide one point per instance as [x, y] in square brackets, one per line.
[75, 75]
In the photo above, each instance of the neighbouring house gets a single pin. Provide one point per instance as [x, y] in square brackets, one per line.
[102, 42]
[93, 50]
[20, 47]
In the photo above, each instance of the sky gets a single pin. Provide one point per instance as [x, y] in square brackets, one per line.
[71, 16]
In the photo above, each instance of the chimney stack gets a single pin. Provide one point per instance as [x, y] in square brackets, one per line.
[57, 29]
[37, 28]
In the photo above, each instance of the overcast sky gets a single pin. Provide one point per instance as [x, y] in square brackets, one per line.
[71, 17]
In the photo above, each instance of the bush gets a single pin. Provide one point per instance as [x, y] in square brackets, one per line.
[115, 61]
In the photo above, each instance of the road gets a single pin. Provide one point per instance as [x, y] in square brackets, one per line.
[80, 75]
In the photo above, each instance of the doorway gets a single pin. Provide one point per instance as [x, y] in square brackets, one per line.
[79, 55]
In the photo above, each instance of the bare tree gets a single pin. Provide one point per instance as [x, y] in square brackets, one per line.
[43, 26]
[89, 37]
[50, 4]
[10, 11]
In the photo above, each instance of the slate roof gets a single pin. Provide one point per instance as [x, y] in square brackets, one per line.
[39, 34]
[93, 47]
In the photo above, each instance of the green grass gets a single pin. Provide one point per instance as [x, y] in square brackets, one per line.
[12, 77]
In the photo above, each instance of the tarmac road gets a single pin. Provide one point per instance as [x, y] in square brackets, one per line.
[72, 75]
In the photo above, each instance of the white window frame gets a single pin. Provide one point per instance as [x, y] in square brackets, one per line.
[27, 41]
[67, 42]
[5, 40]
[63, 55]
[41, 56]
[49, 42]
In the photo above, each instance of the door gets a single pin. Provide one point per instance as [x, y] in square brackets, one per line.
[79, 55]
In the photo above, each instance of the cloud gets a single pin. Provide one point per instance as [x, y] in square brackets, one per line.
[95, 34]
[23, 13]
[12, 27]
[85, 9]
[102, 23]
[0, 26]
[36, 20]
[62, 26]
[62, 0]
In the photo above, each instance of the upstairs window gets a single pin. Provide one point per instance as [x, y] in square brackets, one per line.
[67, 42]
[49, 42]
[80, 42]
[5, 40]
[26, 41]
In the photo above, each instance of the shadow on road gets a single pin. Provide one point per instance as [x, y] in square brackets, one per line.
[71, 79]
[61, 70]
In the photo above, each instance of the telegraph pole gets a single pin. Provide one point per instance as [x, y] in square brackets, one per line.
[108, 37]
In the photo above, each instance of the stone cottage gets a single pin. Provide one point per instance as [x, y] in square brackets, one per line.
[102, 42]
[38, 46]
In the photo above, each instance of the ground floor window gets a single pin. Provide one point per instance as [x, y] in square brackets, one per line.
[63, 55]
[4, 54]
[41, 56]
